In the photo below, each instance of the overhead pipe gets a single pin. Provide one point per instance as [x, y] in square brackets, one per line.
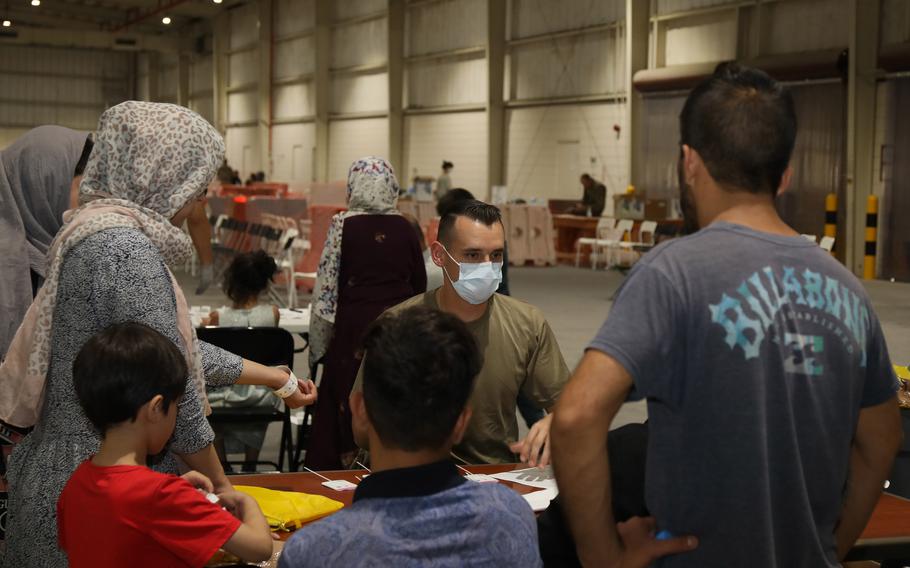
[142, 17]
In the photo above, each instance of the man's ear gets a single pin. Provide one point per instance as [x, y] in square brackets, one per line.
[692, 163]
[438, 254]
[358, 408]
[785, 180]
[461, 425]
[360, 420]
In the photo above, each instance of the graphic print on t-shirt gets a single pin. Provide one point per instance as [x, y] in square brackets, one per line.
[749, 314]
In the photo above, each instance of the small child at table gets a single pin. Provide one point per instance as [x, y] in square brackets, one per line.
[114, 511]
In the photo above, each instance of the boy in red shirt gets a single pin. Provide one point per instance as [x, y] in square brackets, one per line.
[114, 511]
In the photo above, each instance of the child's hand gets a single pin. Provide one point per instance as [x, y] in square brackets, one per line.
[199, 481]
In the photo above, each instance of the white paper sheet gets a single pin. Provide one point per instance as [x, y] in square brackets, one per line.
[540, 500]
[532, 477]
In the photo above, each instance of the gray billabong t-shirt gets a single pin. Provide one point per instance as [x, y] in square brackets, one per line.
[755, 353]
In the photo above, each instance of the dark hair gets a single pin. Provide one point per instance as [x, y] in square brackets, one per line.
[418, 375]
[586, 176]
[248, 275]
[453, 196]
[123, 367]
[83, 159]
[472, 209]
[743, 125]
[447, 164]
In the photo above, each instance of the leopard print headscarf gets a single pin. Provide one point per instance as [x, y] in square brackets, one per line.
[149, 161]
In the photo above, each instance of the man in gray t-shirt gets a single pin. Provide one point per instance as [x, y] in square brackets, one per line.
[764, 366]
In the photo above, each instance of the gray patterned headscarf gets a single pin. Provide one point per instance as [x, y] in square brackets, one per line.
[149, 161]
[36, 172]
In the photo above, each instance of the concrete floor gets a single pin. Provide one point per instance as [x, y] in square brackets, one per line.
[576, 302]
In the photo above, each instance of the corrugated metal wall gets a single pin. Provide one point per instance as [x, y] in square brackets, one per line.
[353, 139]
[458, 137]
[69, 87]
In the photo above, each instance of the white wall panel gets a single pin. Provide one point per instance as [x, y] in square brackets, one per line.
[580, 65]
[69, 87]
[806, 25]
[242, 106]
[295, 57]
[540, 139]
[365, 43]
[447, 25]
[293, 101]
[244, 25]
[700, 39]
[205, 107]
[293, 16]
[895, 22]
[353, 139]
[167, 84]
[459, 138]
[534, 17]
[242, 150]
[243, 68]
[292, 152]
[354, 8]
[673, 6]
[360, 93]
[201, 74]
[439, 83]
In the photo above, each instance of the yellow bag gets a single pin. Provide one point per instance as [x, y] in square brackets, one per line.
[288, 510]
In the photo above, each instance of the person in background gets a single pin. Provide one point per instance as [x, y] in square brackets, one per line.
[594, 199]
[415, 509]
[520, 352]
[225, 173]
[371, 261]
[197, 224]
[108, 264]
[39, 180]
[444, 182]
[434, 273]
[773, 415]
[245, 279]
[115, 511]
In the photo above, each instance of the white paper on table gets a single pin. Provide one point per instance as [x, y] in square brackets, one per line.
[532, 477]
[540, 500]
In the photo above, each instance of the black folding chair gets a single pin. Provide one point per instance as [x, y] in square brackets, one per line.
[268, 346]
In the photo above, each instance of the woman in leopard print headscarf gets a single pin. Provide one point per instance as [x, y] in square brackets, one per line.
[108, 264]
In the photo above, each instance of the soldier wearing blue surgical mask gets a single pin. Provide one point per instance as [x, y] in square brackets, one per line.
[520, 353]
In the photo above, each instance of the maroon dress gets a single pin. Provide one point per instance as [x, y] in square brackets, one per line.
[381, 266]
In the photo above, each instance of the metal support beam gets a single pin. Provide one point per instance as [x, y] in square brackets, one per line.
[864, 40]
[154, 75]
[323, 87]
[496, 113]
[396, 84]
[90, 39]
[220, 42]
[264, 106]
[183, 80]
[637, 24]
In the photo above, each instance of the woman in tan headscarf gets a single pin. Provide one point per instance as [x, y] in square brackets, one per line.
[108, 264]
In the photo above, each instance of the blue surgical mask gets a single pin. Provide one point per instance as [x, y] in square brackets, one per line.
[476, 281]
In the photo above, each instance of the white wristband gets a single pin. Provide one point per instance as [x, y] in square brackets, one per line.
[289, 387]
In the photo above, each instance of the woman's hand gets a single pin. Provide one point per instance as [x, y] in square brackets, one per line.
[304, 396]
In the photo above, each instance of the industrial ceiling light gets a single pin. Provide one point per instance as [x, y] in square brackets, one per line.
[36, 2]
[7, 23]
[165, 20]
[217, 1]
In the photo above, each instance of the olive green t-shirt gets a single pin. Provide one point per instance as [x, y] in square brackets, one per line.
[520, 353]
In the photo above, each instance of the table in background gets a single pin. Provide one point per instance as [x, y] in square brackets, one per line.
[294, 321]
[887, 535]
[570, 228]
